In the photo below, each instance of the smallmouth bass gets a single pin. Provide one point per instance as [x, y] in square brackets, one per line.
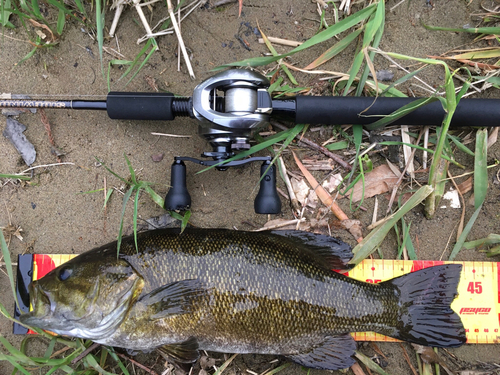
[240, 292]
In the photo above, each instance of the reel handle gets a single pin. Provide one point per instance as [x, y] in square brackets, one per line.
[267, 200]
[178, 198]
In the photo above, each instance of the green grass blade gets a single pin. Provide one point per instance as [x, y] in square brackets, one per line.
[369, 363]
[124, 206]
[493, 251]
[185, 220]
[16, 176]
[377, 235]
[401, 80]
[131, 170]
[400, 112]
[396, 143]
[31, 53]
[117, 360]
[330, 32]
[335, 49]
[480, 168]
[110, 171]
[136, 60]
[8, 265]
[16, 353]
[472, 30]
[460, 242]
[258, 147]
[81, 8]
[154, 196]
[154, 48]
[274, 53]
[492, 239]
[337, 146]
[61, 20]
[99, 19]
[92, 362]
[13, 362]
[373, 33]
[136, 205]
[35, 10]
[460, 145]
[5, 13]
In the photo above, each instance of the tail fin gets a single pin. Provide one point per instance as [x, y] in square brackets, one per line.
[425, 315]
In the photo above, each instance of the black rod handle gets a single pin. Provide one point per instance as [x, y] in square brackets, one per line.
[146, 106]
[336, 110]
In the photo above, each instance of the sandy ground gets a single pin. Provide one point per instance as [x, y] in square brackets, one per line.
[57, 217]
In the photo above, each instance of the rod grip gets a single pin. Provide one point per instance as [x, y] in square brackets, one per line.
[335, 110]
[140, 106]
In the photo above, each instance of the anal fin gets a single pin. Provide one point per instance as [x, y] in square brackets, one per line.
[184, 352]
[334, 353]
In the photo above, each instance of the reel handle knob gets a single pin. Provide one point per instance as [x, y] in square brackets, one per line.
[178, 198]
[267, 200]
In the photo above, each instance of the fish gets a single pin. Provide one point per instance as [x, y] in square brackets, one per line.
[240, 292]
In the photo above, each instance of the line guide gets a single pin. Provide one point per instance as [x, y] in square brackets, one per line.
[478, 301]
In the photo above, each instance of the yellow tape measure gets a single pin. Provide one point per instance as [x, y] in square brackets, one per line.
[478, 301]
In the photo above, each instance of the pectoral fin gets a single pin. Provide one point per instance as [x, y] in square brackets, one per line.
[332, 354]
[184, 352]
[173, 299]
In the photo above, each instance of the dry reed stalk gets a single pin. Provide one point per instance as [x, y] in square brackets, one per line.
[179, 37]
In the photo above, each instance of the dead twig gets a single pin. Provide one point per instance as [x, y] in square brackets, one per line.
[85, 353]
[141, 366]
[316, 147]
[288, 184]
[325, 197]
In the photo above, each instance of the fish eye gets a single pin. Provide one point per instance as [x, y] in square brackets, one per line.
[65, 273]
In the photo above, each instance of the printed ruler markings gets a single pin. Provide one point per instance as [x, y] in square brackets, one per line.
[478, 301]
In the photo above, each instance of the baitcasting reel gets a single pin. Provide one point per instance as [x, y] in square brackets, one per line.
[230, 106]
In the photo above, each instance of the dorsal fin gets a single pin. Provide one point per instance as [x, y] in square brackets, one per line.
[319, 249]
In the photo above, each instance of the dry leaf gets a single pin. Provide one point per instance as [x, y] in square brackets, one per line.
[357, 370]
[429, 356]
[36, 24]
[332, 183]
[380, 180]
[465, 186]
[353, 226]
[300, 189]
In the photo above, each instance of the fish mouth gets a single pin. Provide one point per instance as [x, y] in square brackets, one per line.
[39, 302]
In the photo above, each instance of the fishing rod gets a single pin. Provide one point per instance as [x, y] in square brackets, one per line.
[230, 106]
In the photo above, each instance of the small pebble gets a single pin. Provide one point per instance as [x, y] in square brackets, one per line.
[157, 157]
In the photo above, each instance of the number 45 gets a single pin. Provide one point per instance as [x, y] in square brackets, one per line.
[475, 287]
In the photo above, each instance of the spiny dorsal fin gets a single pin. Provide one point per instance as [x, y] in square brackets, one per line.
[174, 298]
[324, 251]
[184, 352]
[332, 354]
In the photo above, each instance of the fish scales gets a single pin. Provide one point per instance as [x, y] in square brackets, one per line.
[240, 292]
[262, 292]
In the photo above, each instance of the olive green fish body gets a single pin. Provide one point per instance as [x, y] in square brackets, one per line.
[259, 294]
[246, 292]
